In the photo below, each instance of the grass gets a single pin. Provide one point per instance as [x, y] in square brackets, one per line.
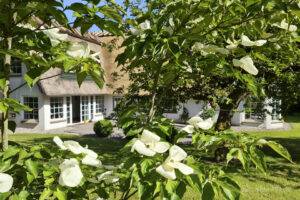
[281, 182]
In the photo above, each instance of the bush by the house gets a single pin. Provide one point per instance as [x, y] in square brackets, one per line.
[103, 128]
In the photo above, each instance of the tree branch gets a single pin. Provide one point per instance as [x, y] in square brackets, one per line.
[25, 83]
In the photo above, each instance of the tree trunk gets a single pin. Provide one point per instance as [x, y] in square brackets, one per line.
[224, 118]
[5, 115]
[226, 110]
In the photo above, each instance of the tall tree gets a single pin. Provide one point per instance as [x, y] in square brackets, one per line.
[218, 51]
[29, 30]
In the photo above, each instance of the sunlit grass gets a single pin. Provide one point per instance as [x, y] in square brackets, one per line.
[280, 183]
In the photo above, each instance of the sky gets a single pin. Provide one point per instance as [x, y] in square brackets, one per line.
[70, 14]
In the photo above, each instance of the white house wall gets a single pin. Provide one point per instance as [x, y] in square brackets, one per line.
[25, 91]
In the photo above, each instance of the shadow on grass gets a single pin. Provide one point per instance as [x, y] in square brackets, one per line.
[108, 149]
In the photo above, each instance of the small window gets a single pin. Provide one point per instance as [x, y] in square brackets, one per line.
[33, 103]
[16, 66]
[57, 107]
[99, 104]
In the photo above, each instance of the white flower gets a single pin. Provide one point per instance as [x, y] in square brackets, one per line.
[71, 174]
[176, 155]
[6, 182]
[208, 49]
[145, 25]
[74, 147]
[54, 36]
[248, 43]
[149, 144]
[284, 25]
[108, 177]
[232, 44]
[196, 123]
[91, 161]
[246, 63]
[59, 143]
[134, 31]
[79, 50]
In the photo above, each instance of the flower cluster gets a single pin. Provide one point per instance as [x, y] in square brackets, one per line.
[71, 174]
[76, 50]
[149, 144]
[197, 122]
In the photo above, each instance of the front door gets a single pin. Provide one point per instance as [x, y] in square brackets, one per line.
[76, 109]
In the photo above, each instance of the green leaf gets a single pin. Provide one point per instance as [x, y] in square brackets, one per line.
[146, 165]
[280, 150]
[238, 154]
[23, 195]
[10, 152]
[46, 194]
[60, 194]
[32, 167]
[208, 192]
[171, 186]
[257, 158]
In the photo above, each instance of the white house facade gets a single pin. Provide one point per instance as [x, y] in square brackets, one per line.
[57, 101]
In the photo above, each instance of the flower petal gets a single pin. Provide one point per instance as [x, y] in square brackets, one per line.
[68, 163]
[160, 147]
[246, 63]
[74, 147]
[246, 41]
[206, 124]
[141, 148]
[183, 168]
[71, 176]
[169, 174]
[6, 182]
[80, 50]
[59, 143]
[189, 129]
[194, 120]
[177, 153]
[260, 42]
[89, 152]
[148, 137]
[91, 161]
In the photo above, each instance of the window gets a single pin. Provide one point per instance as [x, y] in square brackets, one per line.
[92, 107]
[116, 100]
[57, 107]
[68, 110]
[33, 103]
[16, 66]
[84, 108]
[99, 104]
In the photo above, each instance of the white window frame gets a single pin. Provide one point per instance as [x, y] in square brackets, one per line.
[29, 101]
[99, 104]
[85, 109]
[56, 110]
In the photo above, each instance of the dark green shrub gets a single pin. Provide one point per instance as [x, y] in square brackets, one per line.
[103, 128]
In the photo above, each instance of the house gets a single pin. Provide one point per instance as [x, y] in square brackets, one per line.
[57, 100]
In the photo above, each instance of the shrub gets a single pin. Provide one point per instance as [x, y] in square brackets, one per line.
[103, 128]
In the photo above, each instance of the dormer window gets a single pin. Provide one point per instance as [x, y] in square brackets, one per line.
[16, 66]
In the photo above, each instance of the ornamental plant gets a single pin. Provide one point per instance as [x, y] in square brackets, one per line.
[67, 172]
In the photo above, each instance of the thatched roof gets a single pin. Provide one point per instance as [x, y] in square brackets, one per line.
[62, 84]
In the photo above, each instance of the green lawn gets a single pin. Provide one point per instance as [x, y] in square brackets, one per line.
[281, 182]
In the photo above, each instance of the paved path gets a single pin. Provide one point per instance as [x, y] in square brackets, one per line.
[78, 129]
